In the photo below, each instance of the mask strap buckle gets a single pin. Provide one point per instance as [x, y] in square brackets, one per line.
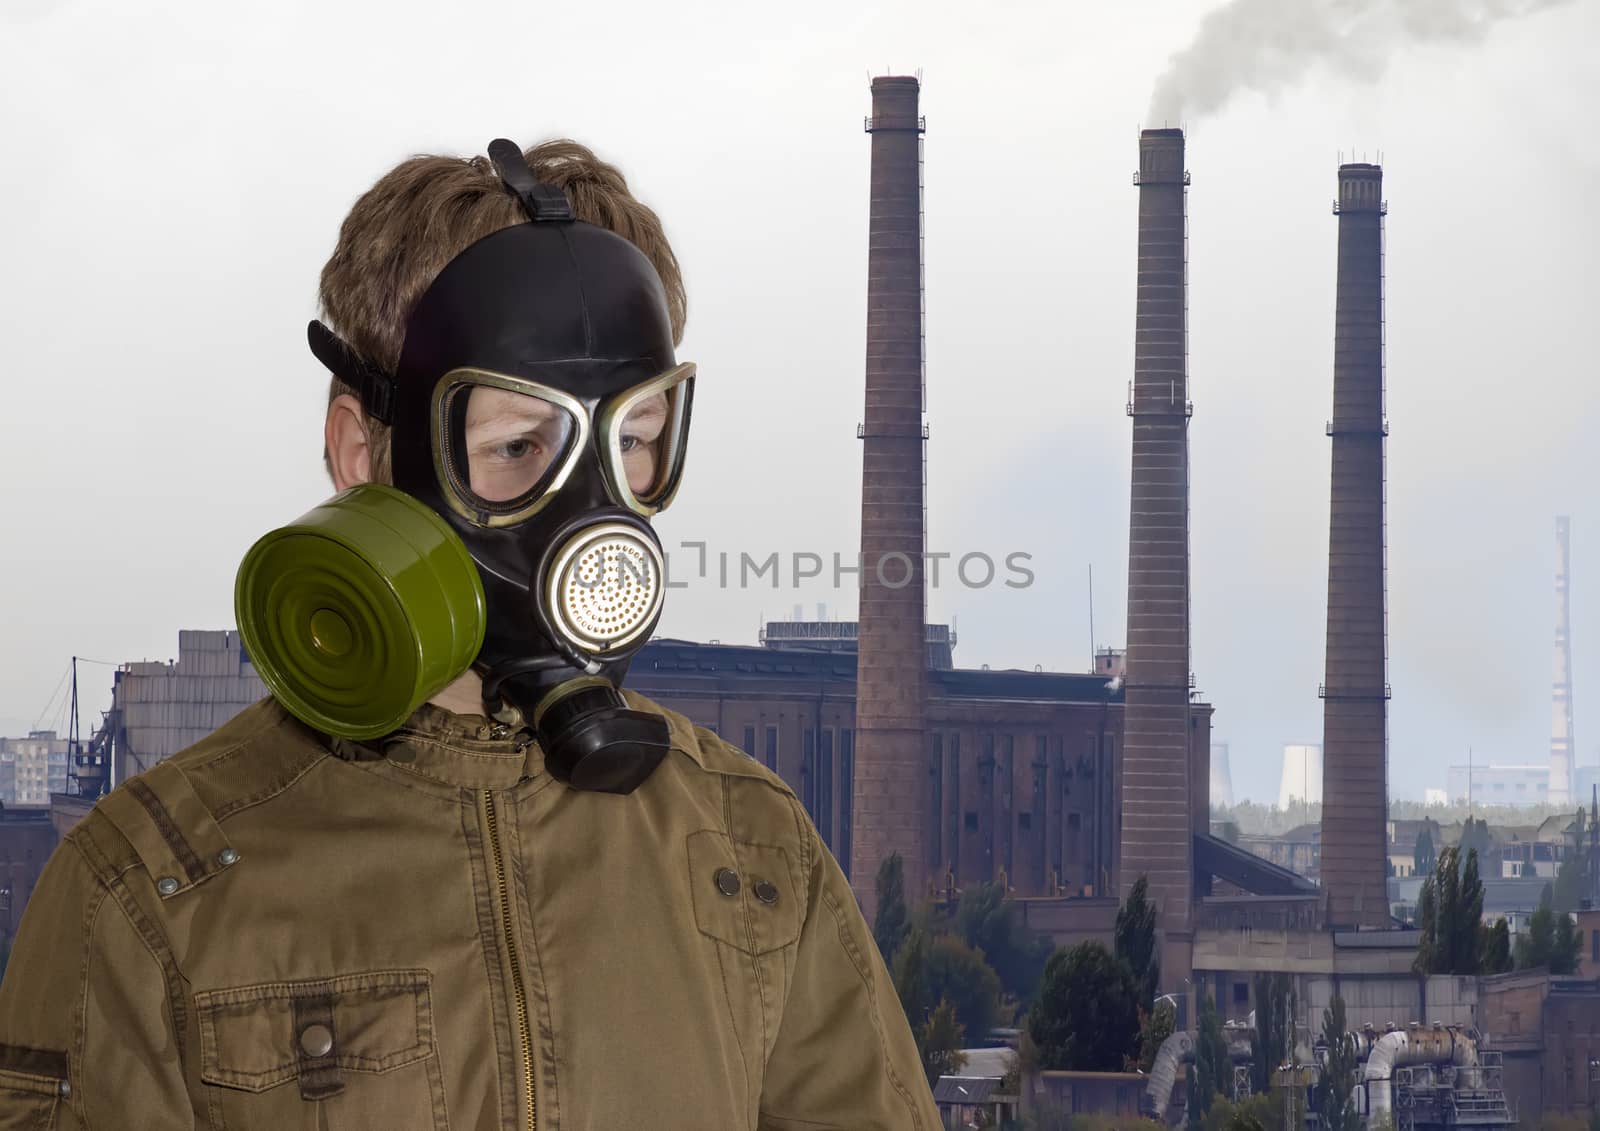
[375, 388]
[540, 201]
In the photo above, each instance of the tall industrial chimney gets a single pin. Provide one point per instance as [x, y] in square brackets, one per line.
[891, 763]
[1561, 743]
[1355, 692]
[1156, 785]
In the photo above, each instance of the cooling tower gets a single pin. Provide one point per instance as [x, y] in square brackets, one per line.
[1221, 775]
[1300, 782]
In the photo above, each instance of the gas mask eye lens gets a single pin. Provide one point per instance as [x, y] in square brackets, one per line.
[512, 441]
[504, 447]
[645, 431]
[639, 443]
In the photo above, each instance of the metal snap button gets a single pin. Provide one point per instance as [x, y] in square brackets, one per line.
[766, 892]
[727, 881]
[166, 885]
[227, 856]
[316, 1040]
[65, 1089]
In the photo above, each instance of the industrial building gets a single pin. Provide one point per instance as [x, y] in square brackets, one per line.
[1500, 784]
[1019, 773]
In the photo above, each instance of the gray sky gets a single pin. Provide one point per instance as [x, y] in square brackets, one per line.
[177, 173]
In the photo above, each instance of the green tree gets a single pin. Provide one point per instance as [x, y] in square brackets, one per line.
[1474, 838]
[892, 924]
[1253, 1113]
[1429, 955]
[1494, 948]
[1566, 947]
[939, 1042]
[959, 973]
[987, 921]
[1449, 917]
[1229, 831]
[1135, 940]
[911, 978]
[1468, 918]
[1338, 1071]
[1424, 855]
[1551, 941]
[1572, 878]
[1269, 1043]
[1086, 1016]
[1212, 1073]
[1154, 1028]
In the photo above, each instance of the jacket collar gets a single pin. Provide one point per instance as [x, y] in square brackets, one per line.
[476, 752]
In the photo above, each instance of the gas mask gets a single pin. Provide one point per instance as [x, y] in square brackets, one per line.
[539, 419]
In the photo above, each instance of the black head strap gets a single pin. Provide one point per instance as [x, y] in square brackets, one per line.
[541, 202]
[375, 388]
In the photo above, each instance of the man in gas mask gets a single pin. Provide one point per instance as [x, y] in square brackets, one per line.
[450, 877]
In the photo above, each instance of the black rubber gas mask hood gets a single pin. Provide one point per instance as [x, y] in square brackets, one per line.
[539, 409]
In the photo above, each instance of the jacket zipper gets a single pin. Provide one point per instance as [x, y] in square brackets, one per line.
[508, 925]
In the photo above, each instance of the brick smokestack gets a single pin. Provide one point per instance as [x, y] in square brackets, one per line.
[1355, 693]
[1561, 744]
[891, 765]
[1156, 789]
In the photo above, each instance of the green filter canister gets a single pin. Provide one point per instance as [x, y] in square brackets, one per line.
[360, 611]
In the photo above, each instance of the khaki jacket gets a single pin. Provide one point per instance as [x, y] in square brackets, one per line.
[274, 931]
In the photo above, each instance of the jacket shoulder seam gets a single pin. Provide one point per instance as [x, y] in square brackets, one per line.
[191, 763]
[280, 783]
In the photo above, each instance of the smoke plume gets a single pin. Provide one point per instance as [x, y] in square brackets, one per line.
[1268, 45]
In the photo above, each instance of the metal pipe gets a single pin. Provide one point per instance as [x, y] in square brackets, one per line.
[1407, 1047]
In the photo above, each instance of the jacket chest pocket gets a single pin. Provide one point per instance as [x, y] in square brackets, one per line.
[746, 897]
[326, 1054]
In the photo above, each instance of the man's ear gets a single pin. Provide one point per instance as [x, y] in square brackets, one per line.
[348, 446]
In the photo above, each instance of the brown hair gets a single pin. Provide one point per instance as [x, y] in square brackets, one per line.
[426, 211]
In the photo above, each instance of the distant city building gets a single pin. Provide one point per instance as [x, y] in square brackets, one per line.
[1493, 784]
[1432, 797]
[33, 768]
[1221, 775]
[1301, 780]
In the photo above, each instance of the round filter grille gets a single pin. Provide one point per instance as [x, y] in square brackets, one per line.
[606, 587]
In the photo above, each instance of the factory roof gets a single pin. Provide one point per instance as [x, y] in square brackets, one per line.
[669, 655]
[964, 1089]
